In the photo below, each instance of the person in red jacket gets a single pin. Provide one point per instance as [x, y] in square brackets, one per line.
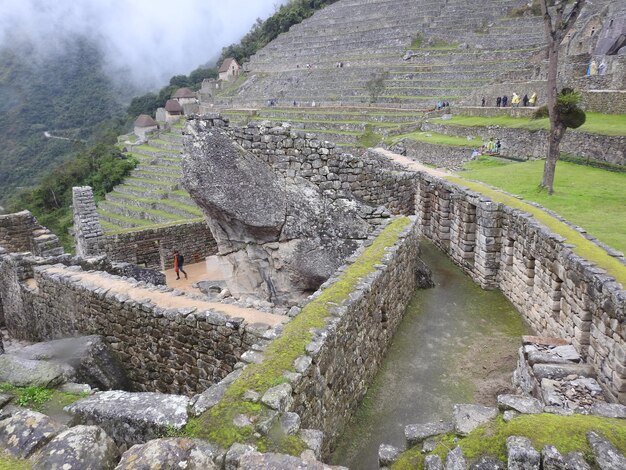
[179, 261]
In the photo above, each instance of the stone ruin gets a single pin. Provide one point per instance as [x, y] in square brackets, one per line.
[279, 238]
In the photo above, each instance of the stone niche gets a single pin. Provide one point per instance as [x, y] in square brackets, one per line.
[278, 238]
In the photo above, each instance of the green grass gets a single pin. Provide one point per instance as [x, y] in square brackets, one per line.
[604, 124]
[38, 398]
[148, 148]
[166, 202]
[123, 218]
[11, 463]
[154, 212]
[216, 424]
[598, 209]
[566, 433]
[369, 138]
[116, 230]
[589, 197]
[437, 139]
[148, 181]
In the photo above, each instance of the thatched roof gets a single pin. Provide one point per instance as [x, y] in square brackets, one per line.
[184, 93]
[226, 65]
[145, 121]
[173, 107]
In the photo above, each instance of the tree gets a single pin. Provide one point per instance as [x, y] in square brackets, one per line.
[376, 85]
[556, 28]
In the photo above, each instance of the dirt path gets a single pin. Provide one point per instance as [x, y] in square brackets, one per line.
[206, 271]
[167, 300]
[411, 164]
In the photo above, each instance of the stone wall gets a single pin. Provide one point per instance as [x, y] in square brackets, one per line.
[176, 350]
[87, 229]
[154, 247]
[21, 232]
[151, 247]
[366, 178]
[449, 157]
[344, 356]
[558, 292]
[518, 143]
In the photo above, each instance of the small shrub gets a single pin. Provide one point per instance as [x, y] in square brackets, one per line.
[416, 41]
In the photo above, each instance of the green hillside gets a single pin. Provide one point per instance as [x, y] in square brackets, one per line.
[65, 93]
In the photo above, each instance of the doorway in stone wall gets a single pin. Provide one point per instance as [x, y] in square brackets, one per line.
[149, 254]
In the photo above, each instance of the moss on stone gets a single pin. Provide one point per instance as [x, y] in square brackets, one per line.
[216, 424]
[566, 433]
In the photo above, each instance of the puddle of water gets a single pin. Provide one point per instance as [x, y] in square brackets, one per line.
[456, 344]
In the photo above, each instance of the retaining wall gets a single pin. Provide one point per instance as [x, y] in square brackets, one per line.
[534, 144]
[558, 292]
[345, 356]
[177, 350]
[368, 178]
[154, 247]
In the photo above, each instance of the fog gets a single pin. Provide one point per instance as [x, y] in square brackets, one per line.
[150, 39]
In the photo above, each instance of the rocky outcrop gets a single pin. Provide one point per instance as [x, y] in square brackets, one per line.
[278, 238]
[86, 359]
[190, 454]
[27, 431]
[132, 418]
[78, 447]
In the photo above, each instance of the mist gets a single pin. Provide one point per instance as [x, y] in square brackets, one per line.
[147, 41]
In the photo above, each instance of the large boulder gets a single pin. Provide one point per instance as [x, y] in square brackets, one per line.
[183, 453]
[26, 431]
[278, 239]
[132, 418]
[85, 359]
[22, 372]
[77, 448]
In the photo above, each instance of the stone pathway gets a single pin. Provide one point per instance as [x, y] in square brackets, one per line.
[167, 300]
[411, 164]
[208, 270]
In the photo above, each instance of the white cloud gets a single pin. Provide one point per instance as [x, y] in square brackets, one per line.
[154, 39]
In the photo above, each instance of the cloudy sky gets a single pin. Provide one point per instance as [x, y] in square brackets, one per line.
[155, 39]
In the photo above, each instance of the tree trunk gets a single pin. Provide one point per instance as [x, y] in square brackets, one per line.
[554, 143]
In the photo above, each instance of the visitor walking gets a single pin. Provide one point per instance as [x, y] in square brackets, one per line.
[533, 99]
[515, 101]
[483, 102]
[498, 146]
[505, 100]
[179, 262]
[498, 101]
[525, 100]
[602, 68]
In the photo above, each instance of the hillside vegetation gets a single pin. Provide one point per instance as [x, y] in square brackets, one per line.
[65, 93]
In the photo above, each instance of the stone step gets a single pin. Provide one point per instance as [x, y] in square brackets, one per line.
[157, 176]
[168, 170]
[164, 205]
[165, 144]
[118, 221]
[152, 151]
[137, 213]
[172, 137]
[151, 184]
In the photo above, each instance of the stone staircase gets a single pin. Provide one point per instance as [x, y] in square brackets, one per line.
[152, 194]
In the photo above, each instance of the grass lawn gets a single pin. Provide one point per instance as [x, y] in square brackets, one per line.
[589, 197]
[438, 139]
[605, 124]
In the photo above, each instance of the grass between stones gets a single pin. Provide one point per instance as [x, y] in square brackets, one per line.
[566, 433]
[39, 398]
[595, 207]
[596, 123]
[216, 424]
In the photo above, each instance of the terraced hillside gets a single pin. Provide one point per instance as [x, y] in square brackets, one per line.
[152, 195]
[453, 47]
